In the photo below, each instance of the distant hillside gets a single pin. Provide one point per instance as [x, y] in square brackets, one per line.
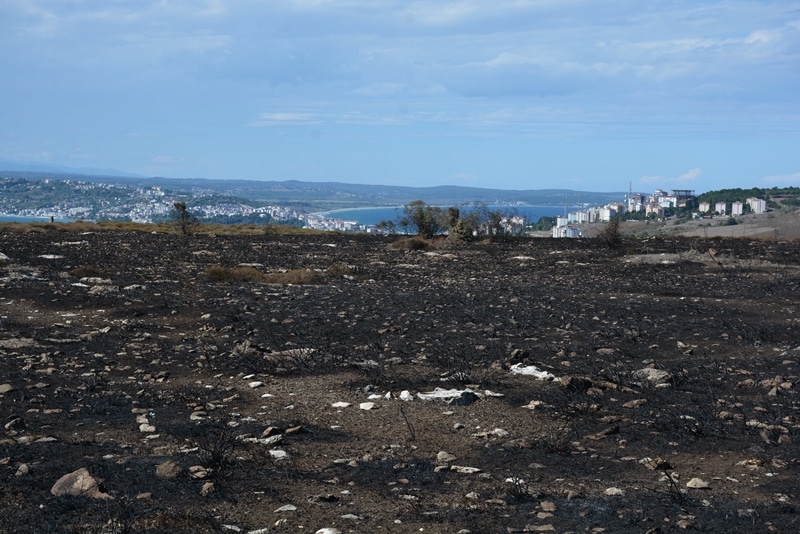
[7, 166]
[332, 195]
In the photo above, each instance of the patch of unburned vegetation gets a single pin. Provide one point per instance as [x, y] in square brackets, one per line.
[250, 274]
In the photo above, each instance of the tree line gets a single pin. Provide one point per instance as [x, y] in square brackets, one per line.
[462, 222]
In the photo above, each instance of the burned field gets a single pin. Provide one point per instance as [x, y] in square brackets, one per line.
[278, 384]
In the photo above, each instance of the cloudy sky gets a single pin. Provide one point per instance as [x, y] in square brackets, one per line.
[513, 94]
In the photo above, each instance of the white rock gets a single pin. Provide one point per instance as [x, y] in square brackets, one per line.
[406, 395]
[459, 397]
[256, 384]
[367, 406]
[340, 405]
[697, 483]
[328, 531]
[653, 376]
[445, 457]
[614, 492]
[532, 370]
[286, 508]
[278, 454]
[465, 470]
[147, 428]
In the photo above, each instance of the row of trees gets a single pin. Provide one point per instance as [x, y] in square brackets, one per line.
[459, 223]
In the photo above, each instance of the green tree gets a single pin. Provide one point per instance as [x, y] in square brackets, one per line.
[425, 220]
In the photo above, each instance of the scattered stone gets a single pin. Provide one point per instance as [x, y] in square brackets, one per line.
[270, 431]
[79, 483]
[697, 483]
[278, 454]
[144, 496]
[15, 424]
[255, 384]
[454, 397]
[22, 470]
[199, 472]
[147, 428]
[651, 376]
[465, 470]
[300, 429]
[496, 433]
[406, 395]
[444, 457]
[614, 492]
[340, 405]
[207, 489]
[547, 506]
[328, 531]
[367, 406]
[636, 403]
[168, 469]
[6, 388]
[532, 405]
[286, 508]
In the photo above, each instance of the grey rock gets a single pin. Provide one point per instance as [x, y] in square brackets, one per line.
[651, 376]
[168, 469]
[286, 508]
[79, 483]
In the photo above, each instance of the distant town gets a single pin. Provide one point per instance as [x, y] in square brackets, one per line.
[70, 200]
[658, 205]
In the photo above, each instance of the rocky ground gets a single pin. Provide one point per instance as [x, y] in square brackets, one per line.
[184, 385]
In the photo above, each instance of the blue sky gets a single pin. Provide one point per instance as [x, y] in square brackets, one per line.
[512, 94]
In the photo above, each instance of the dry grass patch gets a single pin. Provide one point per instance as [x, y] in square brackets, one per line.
[296, 277]
[249, 274]
[416, 243]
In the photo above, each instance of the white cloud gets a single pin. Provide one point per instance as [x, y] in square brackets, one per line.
[690, 175]
[285, 119]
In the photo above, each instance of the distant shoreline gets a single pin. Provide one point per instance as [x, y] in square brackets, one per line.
[8, 217]
[364, 208]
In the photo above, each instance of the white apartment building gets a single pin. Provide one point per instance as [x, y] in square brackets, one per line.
[757, 205]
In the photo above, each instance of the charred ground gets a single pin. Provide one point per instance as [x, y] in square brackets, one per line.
[104, 332]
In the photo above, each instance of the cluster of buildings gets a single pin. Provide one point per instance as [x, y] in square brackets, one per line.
[756, 205]
[654, 204]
